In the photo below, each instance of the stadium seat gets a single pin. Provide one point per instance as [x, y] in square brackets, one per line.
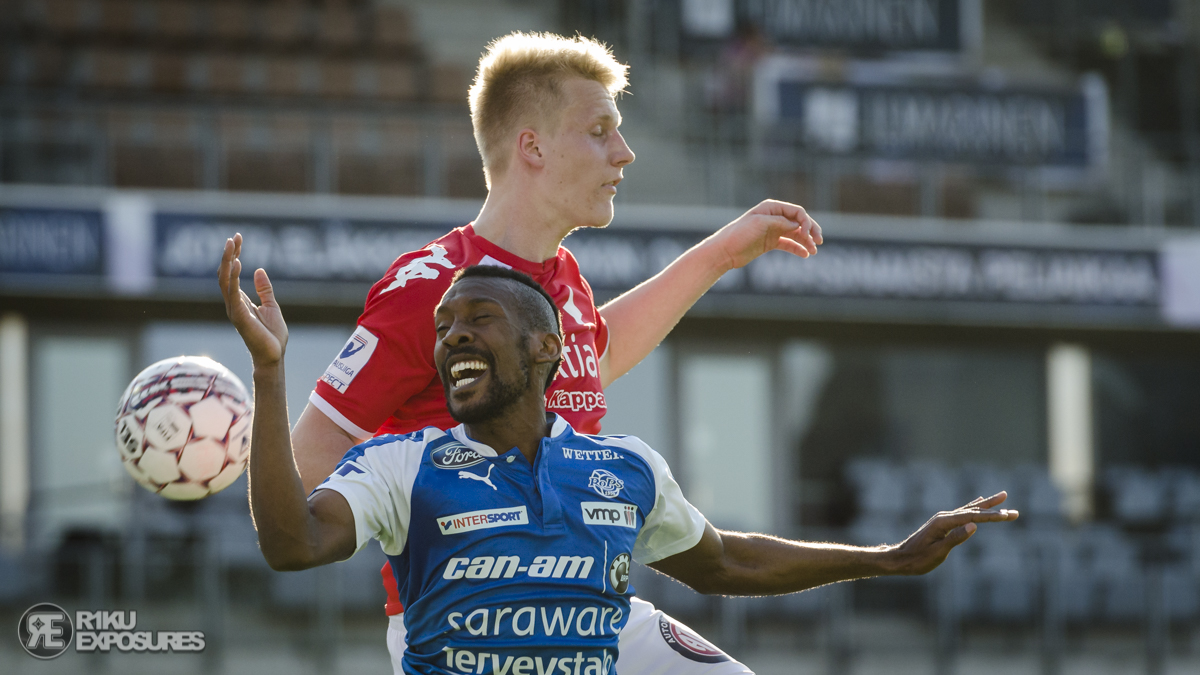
[63, 17]
[285, 22]
[337, 27]
[338, 79]
[935, 486]
[224, 73]
[284, 76]
[1185, 495]
[176, 19]
[391, 28]
[122, 18]
[169, 72]
[396, 81]
[880, 486]
[230, 21]
[1138, 496]
[1036, 497]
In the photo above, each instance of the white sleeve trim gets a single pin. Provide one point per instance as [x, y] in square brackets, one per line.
[338, 418]
[673, 525]
[379, 492]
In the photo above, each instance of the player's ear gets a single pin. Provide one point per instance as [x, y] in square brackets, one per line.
[528, 149]
[549, 348]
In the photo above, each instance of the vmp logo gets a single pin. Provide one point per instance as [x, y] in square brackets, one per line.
[45, 631]
[608, 513]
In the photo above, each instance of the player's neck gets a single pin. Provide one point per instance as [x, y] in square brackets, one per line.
[515, 221]
[522, 427]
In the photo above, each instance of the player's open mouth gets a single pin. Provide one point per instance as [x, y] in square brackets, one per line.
[466, 372]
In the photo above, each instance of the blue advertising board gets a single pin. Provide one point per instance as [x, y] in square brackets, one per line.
[48, 241]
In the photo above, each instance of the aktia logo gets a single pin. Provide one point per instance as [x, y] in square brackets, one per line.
[46, 631]
[455, 455]
[607, 513]
[605, 483]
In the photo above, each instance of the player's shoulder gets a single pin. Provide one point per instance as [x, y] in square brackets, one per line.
[426, 273]
[630, 448]
[389, 448]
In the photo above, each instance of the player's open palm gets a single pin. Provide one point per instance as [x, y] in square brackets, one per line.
[261, 326]
[928, 547]
[772, 225]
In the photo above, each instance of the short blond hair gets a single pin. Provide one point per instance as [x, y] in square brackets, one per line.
[519, 83]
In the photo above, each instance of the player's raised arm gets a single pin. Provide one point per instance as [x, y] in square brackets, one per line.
[293, 533]
[639, 319]
[736, 563]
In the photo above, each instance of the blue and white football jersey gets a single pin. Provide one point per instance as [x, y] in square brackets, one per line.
[507, 568]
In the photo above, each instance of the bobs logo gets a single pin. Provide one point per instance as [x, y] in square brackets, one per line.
[455, 456]
[481, 520]
[605, 483]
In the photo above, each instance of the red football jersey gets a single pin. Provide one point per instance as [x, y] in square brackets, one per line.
[384, 379]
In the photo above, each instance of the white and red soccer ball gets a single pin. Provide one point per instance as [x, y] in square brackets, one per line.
[183, 427]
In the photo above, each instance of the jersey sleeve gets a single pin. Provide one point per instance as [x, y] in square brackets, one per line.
[376, 479]
[389, 357]
[673, 525]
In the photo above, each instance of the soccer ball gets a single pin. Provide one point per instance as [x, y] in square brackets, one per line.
[183, 427]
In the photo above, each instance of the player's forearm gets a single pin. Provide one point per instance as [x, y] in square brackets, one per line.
[277, 497]
[640, 318]
[318, 444]
[756, 564]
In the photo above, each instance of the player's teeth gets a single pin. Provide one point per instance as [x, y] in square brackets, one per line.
[473, 365]
[463, 382]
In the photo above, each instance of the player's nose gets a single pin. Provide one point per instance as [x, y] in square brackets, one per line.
[622, 154]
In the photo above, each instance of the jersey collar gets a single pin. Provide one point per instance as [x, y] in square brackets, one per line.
[558, 431]
[533, 269]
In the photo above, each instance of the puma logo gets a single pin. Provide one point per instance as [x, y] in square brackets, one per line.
[485, 479]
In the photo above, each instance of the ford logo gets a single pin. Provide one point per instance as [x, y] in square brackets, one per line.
[455, 456]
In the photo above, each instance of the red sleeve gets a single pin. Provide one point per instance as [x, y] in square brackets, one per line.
[389, 358]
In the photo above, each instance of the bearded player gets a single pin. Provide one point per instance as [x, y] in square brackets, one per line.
[546, 124]
[539, 533]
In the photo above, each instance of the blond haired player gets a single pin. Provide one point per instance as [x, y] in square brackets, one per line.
[546, 122]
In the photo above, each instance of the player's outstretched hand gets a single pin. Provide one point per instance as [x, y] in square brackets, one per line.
[772, 225]
[261, 327]
[928, 547]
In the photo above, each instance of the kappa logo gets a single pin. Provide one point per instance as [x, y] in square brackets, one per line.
[481, 520]
[605, 483]
[420, 268]
[607, 513]
[455, 455]
[576, 400]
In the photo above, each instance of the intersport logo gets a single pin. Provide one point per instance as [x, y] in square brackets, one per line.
[481, 520]
[576, 401]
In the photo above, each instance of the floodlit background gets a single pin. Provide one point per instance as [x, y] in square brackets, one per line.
[1008, 298]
